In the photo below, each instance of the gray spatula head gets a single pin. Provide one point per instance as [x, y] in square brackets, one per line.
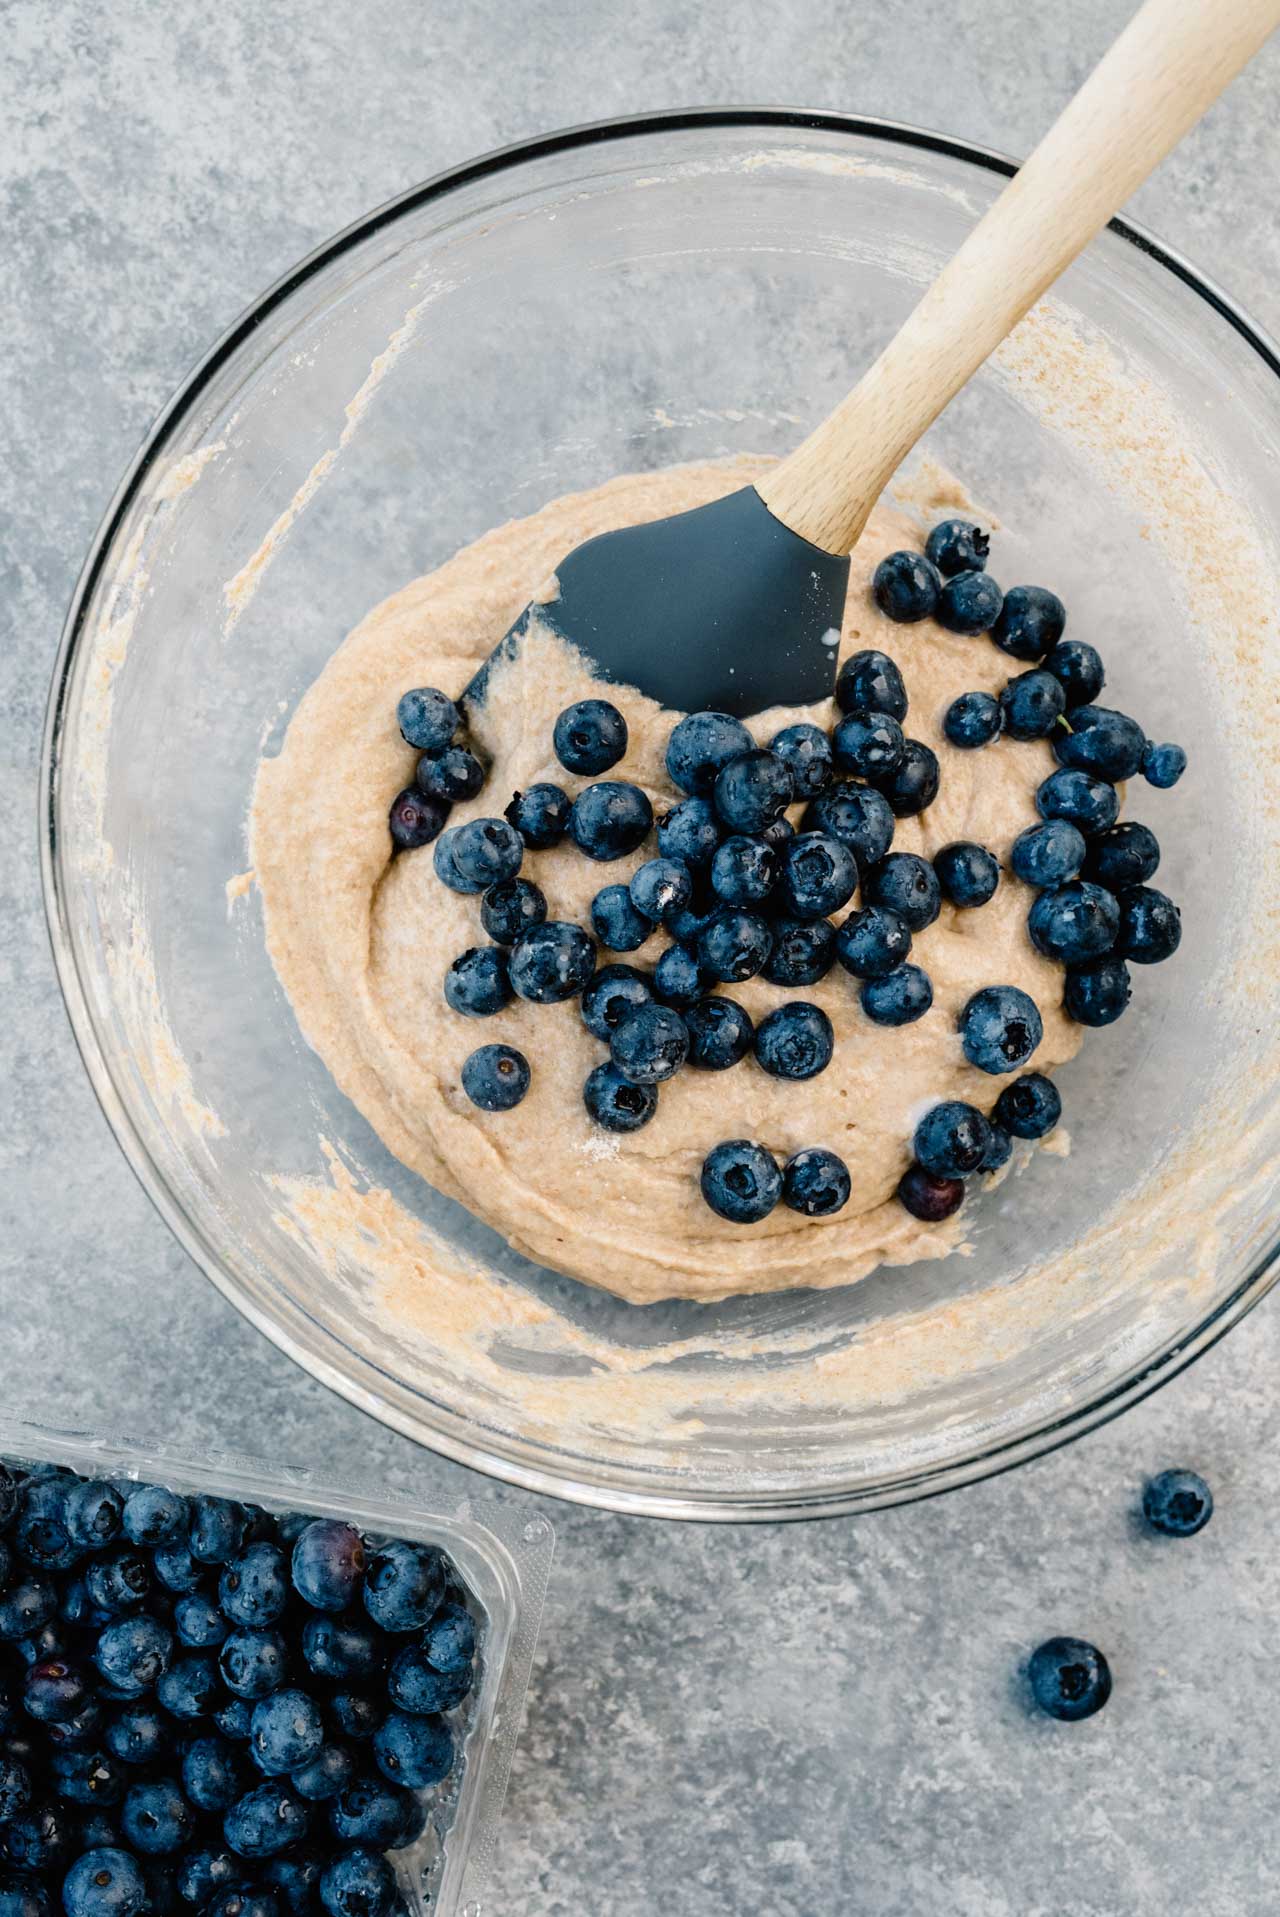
[719, 609]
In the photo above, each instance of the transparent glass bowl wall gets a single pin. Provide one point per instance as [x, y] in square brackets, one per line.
[621, 298]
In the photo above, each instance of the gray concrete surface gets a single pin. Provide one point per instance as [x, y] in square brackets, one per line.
[723, 1722]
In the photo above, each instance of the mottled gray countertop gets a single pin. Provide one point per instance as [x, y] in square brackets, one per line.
[722, 1722]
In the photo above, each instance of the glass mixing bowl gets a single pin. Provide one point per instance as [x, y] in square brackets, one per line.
[620, 297]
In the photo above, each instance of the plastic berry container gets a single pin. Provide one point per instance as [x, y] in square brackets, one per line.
[503, 1563]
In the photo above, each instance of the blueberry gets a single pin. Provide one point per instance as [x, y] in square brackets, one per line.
[690, 832]
[590, 737]
[78, 1732]
[359, 1883]
[105, 1883]
[89, 1778]
[967, 873]
[324, 1775]
[913, 784]
[403, 1585]
[660, 887]
[213, 1773]
[951, 1140]
[495, 1077]
[700, 746]
[238, 1902]
[445, 869]
[999, 1148]
[615, 921]
[450, 1639]
[355, 1714]
[806, 751]
[39, 1839]
[202, 1873]
[753, 790]
[413, 1751]
[873, 942]
[189, 1688]
[198, 1622]
[478, 983]
[1179, 1503]
[41, 1534]
[734, 946]
[1078, 670]
[650, 1044]
[133, 1654]
[233, 1717]
[156, 1819]
[15, 1787]
[610, 819]
[427, 718]
[1075, 921]
[450, 773]
[1000, 1028]
[1089, 803]
[98, 1831]
[1106, 743]
[341, 1648]
[486, 852]
[795, 1041]
[371, 1811]
[957, 545]
[1032, 703]
[905, 586]
[677, 977]
[927, 1196]
[1097, 992]
[1163, 765]
[819, 875]
[540, 815]
[867, 745]
[176, 1568]
[974, 719]
[1126, 854]
[741, 1181]
[1150, 926]
[415, 1685]
[54, 1691]
[511, 908]
[899, 998]
[615, 1103]
[614, 991]
[253, 1663]
[816, 1183]
[287, 1732]
[1049, 853]
[859, 818]
[265, 1822]
[908, 885]
[217, 1529]
[93, 1514]
[416, 818]
[1030, 623]
[803, 951]
[870, 680]
[744, 870]
[969, 602]
[1030, 1107]
[552, 963]
[139, 1734]
[22, 1896]
[254, 1588]
[118, 1582]
[1069, 1678]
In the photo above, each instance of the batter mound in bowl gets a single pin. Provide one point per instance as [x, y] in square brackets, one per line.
[361, 940]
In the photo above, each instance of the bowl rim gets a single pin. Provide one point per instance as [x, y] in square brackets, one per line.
[499, 1458]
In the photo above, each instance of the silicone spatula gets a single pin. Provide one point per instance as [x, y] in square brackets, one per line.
[736, 606]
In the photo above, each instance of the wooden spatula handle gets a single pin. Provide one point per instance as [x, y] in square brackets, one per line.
[1170, 63]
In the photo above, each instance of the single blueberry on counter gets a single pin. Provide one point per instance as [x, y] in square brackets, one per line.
[1031, 622]
[753, 790]
[1030, 1107]
[905, 586]
[952, 1139]
[720, 1033]
[610, 819]
[1108, 744]
[511, 908]
[818, 876]
[870, 680]
[927, 1196]
[795, 1041]
[617, 1104]
[741, 1181]
[1000, 1028]
[700, 746]
[899, 998]
[806, 751]
[859, 817]
[650, 1044]
[1049, 853]
[972, 720]
[1070, 1679]
[427, 718]
[1078, 669]
[1125, 854]
[967, 873]
[478, 983]
[660, 887]
[690, 832]
[957, 545]
[1089, 803]
[678, 977]
[1032, 704]
[1097, 992]
[816, 1183]
[907, 885]
[912, 786]
[803, 951]
[540, 815]
[495, 1077]
[734, 946]
[551, 963]
[614, 991]
[867, 745]
[873, 942]
[744, 870]
[969, 602]
[615, 921]
[1150, 926]
[1179, 1503]
[452, 774]
[1075, 921]
[589, 737]
[1163, 765]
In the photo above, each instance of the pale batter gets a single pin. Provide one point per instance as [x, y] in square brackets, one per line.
[361, 941]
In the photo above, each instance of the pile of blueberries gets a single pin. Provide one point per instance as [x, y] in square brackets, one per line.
[204, 1706]
[741, 892]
